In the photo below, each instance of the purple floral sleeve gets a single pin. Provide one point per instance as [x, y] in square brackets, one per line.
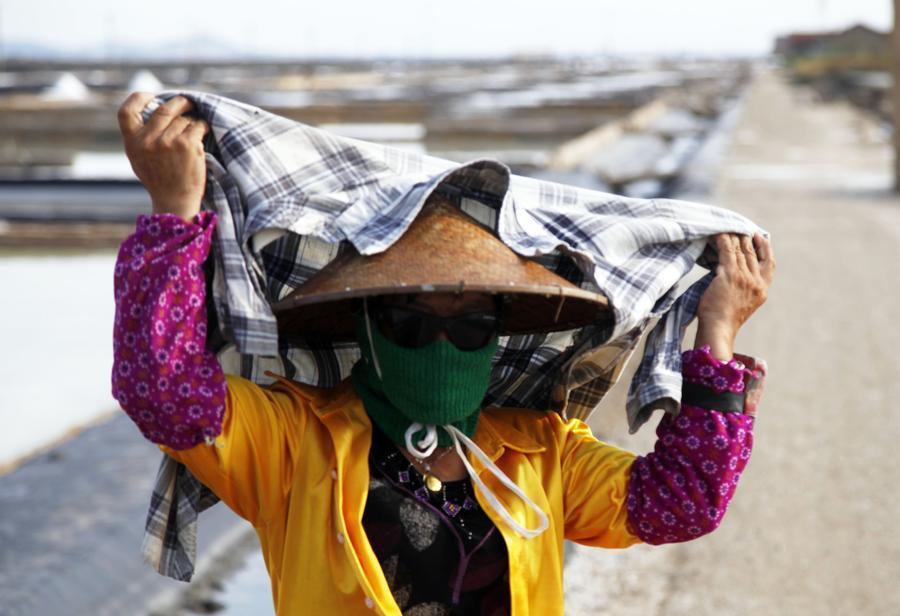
[163, 377]
[680, 491]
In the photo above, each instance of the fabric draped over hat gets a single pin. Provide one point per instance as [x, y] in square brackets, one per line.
[443, 250]
[290, 198]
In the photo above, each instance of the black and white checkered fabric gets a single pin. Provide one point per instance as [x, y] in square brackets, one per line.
[289, 196]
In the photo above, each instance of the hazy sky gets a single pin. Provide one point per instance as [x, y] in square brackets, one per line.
[423, 27]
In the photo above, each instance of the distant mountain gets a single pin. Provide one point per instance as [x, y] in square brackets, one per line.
[201, 47]
[31, 51]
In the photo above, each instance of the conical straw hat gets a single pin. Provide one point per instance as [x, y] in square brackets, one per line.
[443, 250]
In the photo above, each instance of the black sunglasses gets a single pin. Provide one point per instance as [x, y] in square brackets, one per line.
[413, 328]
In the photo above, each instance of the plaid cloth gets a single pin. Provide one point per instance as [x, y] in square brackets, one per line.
[290, 196]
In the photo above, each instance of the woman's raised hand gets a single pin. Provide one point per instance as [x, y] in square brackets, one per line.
[745, 271]
[166, 153]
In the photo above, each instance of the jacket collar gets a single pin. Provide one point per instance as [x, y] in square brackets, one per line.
[494, 433]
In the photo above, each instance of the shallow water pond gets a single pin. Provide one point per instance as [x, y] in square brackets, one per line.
[56, 315]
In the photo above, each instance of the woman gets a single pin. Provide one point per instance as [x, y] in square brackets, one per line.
[363, 496]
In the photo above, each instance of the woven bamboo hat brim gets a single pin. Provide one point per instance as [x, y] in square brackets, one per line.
[443, 250]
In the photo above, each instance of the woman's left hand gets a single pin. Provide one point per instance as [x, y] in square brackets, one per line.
[745, 271]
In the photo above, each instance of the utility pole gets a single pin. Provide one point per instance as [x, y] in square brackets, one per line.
[895, 92]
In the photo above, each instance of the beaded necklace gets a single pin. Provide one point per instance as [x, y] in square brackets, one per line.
[432, 481]
[454, 498]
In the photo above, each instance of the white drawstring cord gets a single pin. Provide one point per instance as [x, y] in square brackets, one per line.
[492, 499]
[369, 333]
[426, 446]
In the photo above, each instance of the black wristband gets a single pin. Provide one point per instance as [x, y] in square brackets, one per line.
[704, 397]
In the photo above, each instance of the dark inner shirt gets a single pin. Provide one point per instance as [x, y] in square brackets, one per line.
[439, 551]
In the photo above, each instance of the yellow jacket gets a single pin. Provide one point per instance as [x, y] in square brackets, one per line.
[293, 460]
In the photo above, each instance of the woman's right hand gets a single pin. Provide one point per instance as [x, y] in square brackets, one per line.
[166, 153]
[746, 269]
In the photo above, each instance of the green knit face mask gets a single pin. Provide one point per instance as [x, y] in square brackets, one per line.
[431, 397]
[437, 384]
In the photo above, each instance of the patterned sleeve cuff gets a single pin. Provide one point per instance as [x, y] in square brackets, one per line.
[741, 375]
[166, 226]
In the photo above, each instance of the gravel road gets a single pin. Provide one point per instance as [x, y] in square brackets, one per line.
[813, 527]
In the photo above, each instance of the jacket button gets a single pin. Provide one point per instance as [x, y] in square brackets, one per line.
[340, 537]
[369, 603]
[334, 474]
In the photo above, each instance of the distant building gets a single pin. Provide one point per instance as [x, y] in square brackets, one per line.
[858, 40]
[851, 64]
